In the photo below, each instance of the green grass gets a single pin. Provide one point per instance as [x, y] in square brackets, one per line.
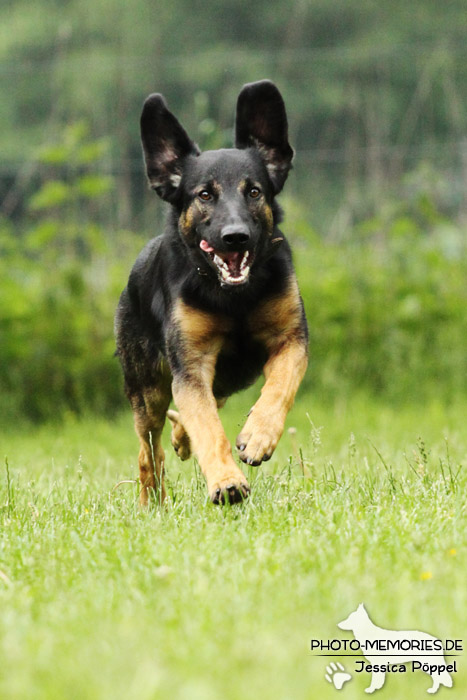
[100, 600]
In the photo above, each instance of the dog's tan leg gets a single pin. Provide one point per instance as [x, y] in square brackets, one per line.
[198, 411]
[265, 423]
[280, 326]
[149, 412]
[202, 336]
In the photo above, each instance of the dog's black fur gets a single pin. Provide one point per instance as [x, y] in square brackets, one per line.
[220, 267]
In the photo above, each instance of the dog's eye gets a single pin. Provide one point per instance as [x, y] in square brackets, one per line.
[254, 192]
[205, 195]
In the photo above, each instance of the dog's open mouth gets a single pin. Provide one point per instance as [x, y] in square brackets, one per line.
[233, 268]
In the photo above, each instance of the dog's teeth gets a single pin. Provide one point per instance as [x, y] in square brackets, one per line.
[221, 264]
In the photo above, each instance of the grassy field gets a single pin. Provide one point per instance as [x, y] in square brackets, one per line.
[361, 503]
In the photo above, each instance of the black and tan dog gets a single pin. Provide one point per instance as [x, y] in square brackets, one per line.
[214, 300]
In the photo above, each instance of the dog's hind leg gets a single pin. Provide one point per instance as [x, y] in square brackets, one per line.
[149, 408]
[179, 437]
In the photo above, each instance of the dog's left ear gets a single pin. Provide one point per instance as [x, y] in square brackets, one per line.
[261, 122]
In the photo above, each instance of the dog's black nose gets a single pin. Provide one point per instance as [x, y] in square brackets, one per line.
[235, 234]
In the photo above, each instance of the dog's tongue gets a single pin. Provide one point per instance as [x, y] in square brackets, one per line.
[204, 245]
[233, 260]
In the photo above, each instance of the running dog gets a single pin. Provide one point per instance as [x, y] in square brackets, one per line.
[214, 300]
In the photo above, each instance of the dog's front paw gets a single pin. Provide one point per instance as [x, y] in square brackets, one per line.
[231, 488]
[258, 439]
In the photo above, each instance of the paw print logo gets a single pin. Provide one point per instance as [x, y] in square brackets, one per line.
[337, 675]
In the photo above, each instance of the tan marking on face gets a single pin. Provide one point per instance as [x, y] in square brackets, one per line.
[186, 220]
[268, 218]
[216, 188]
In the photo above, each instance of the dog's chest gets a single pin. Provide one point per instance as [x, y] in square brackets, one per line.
[240, 361]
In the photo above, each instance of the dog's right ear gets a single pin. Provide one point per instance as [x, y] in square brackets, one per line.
[165, 145]
[261, 122]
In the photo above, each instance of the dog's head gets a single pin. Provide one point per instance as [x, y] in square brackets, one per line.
[224, 198]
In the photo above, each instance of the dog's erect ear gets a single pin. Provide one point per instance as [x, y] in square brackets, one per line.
[165, 145]
[262, 122]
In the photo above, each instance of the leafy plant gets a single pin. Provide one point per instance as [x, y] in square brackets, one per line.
[58, 290]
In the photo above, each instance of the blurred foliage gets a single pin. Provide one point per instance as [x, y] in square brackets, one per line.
[390, 319]
[59, 281]
[387, 306]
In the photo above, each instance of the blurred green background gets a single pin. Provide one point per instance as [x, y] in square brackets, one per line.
[376, 206]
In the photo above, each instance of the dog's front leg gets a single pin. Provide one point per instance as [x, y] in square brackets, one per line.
[193, 352]
[280, 325]
[198, 413]
[283, 371]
